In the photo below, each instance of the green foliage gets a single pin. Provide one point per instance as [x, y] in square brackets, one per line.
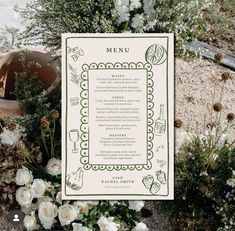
[49, 19]
[201, 188]
[9, 38]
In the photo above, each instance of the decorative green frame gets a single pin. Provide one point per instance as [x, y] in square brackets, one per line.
[85, 116]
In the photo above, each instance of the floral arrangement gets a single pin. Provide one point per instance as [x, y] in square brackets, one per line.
[46, 21]
[41, 201]
[32, 182]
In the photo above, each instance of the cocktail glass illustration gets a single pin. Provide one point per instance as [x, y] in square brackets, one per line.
[74, 137]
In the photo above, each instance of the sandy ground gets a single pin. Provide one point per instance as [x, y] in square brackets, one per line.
[195, 83]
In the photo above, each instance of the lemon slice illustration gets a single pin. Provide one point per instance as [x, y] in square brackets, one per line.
[155, 54]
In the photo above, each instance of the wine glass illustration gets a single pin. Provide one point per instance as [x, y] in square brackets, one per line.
[74, 137]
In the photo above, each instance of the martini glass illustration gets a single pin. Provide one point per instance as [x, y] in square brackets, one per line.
[74, 137]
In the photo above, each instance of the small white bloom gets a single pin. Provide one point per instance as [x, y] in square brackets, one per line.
[136, 205]
[79, 227]
[137, 21]
[23, 176]
[38, 188]
[222, 140]
[54, 167]
[11, 137]
[59, 197]
[107, 224]
[123, 14]
[148, 6]
[67, 214]
[140, 227]
[135, 4]
[30, 223]
[47, 212]
[24, 196]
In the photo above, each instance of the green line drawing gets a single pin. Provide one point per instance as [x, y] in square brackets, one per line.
[161, 176]
[74, 180]
[75, 52]
[85, 116]
[156, 54]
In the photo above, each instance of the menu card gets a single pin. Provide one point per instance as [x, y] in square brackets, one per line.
[118, 111]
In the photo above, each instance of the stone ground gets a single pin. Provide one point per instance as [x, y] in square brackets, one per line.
[195, 82]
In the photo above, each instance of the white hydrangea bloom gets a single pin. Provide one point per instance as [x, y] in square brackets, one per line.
[148, 6]
[138, 21]
[135, 4]
[123, 13]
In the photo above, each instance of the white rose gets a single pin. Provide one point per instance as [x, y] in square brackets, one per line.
[140, 227]
[24, 196]
[54, 167]
[79, 227]
[30, 223]
[82, 206]
[23, 176]
[107, 224]
[47, 213]
[67, 214]
[136, 205]
[38, 188]
[29, 208]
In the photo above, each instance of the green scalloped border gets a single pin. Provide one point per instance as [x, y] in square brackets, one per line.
[85, 114]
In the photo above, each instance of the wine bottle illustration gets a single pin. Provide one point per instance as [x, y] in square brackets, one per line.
[160, 123]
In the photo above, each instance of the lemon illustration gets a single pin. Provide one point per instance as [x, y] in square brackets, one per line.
[155, 54]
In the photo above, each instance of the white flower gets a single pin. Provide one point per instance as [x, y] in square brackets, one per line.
[54, 167]
[136, 205]
[38, 188]
[30, 223]
[11, 137]
[47, 213]
[140, 227]
[82, 206]
[222, 140]
[107, 224]
[23, 176]
[67, 214]
[123, 14]
[24, 196]
[79, 227]
[135, 4]
[148, 6]
[137, 21]
[59, 197]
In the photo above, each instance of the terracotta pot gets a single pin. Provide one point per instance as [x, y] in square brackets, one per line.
[11, 63]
